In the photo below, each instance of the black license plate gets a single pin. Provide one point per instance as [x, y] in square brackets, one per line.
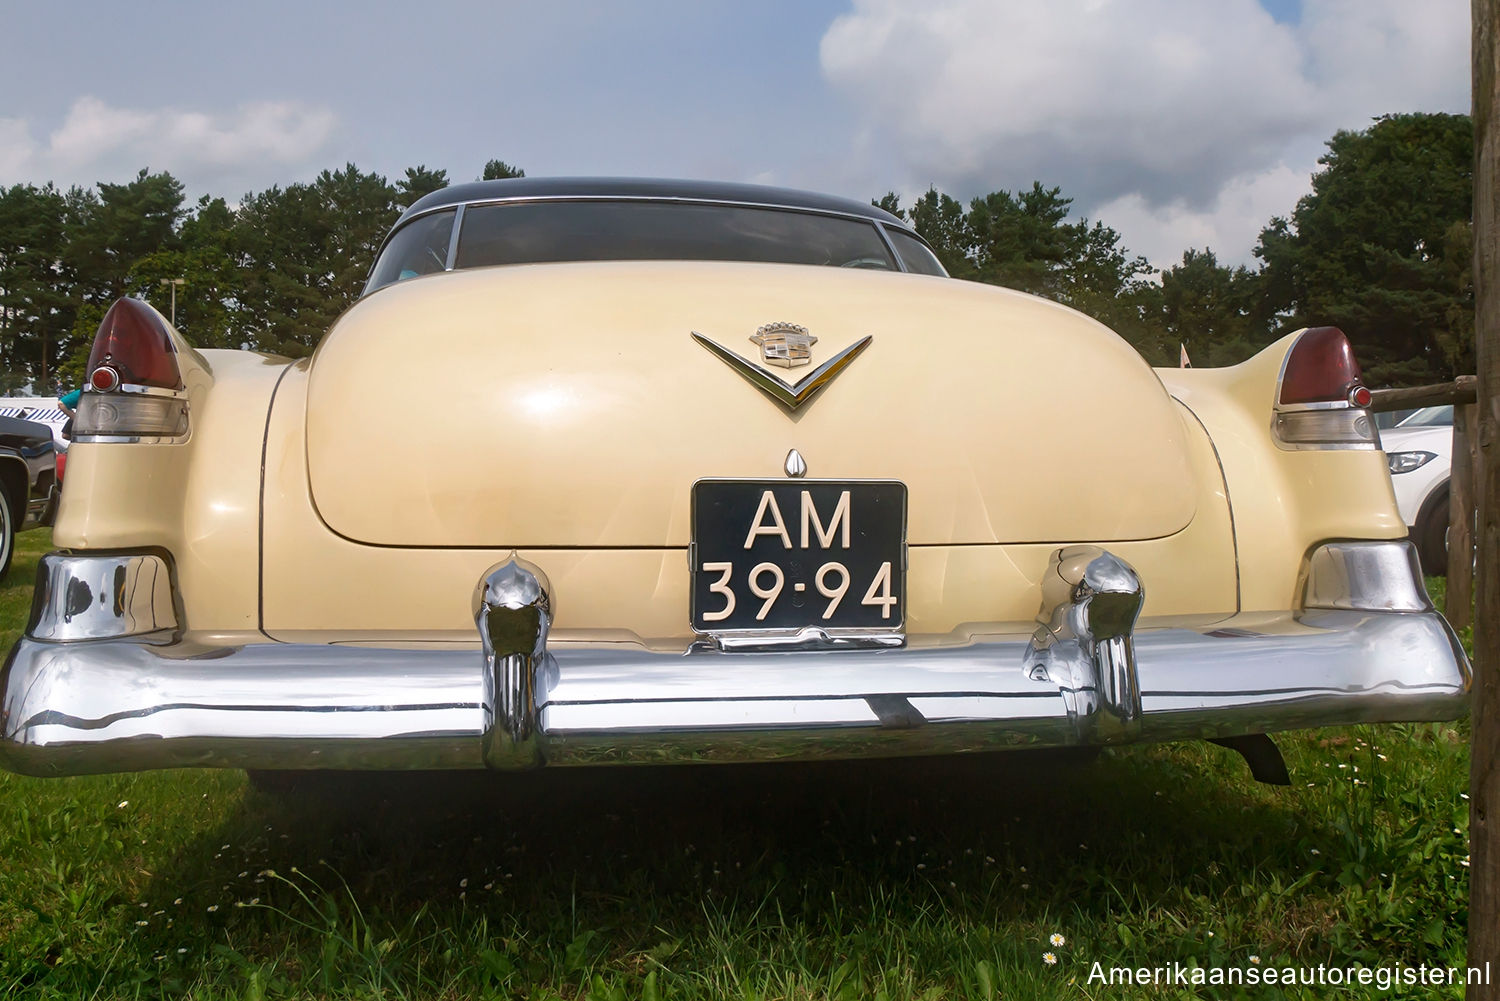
[788, 554]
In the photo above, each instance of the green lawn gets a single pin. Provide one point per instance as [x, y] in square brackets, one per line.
[934, 879]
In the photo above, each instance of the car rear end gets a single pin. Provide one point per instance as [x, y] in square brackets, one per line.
[991, 526]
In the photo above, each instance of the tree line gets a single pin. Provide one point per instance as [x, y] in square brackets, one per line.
[270, 273]
[1380, 248]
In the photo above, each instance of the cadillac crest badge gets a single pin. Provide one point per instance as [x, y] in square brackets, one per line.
[785, 344]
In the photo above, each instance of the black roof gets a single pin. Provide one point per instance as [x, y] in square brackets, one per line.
[643, 187]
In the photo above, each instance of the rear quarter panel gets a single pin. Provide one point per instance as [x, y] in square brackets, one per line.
[199, 499]
[1283, 502]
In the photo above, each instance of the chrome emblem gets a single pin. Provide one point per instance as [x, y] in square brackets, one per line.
[796, 466]
[785, 344]
[790, 395]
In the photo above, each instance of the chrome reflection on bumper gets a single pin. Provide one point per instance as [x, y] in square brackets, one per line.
[85, 597]
[1091, 675]
[513, 612]
[1365, 576]
[1086, 643]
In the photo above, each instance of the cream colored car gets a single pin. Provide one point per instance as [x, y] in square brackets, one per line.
[726, 473]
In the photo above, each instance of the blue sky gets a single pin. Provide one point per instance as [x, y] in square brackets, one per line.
[1284, 11]
[1180, 122]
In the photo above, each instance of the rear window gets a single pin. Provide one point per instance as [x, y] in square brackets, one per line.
[914, 253]
[537, 232]
[418, 248]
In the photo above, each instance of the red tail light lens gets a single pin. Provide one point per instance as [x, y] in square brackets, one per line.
[1321, 369]
[132, 351]
[132, 347]
[104, 378]
[62, 462]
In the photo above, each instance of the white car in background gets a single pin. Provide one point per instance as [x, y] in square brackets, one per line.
[1420, 450]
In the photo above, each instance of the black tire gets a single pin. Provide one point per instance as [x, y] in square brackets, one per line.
[1431, 533]
[7, 533]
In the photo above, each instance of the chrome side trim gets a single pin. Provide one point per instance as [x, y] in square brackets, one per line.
[131, 439]
[85, 597]
[789, 395]
[730, 203]
[890, 247]
[667, 199]
[1234, 535]
[458, 225]
[136, 389]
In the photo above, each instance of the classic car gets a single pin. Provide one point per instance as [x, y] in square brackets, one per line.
[28, 481]
[47, 412]
[726, 473]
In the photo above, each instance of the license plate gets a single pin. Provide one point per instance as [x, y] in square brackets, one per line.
[788, 554]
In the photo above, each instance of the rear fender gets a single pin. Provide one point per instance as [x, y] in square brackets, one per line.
[197, 498]
[1283, 502]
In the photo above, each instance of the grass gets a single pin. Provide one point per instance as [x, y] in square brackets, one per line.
[906, 879]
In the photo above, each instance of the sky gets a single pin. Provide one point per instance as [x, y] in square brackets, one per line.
[1181, 123]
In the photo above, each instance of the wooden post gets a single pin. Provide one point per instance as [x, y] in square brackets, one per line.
[1459, 603]
[1460, 390]
[1484, 761]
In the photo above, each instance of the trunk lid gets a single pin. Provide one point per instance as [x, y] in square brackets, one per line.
[568, 405]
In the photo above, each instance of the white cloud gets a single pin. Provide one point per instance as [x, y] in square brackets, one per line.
[97, 141]
[1180, 116]
[1233, 220]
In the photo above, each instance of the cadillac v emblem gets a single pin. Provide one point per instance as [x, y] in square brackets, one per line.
[785, 344]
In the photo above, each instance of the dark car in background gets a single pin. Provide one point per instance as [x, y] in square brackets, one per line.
[28, 481]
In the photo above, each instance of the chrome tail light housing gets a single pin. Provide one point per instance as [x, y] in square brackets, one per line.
[1321, 399]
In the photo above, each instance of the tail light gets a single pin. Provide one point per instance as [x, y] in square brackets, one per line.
[133, 345]
[1321, 398]
[62, 462]
[134, 385]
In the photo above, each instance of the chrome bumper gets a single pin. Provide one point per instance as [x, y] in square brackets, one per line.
[100, 683]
